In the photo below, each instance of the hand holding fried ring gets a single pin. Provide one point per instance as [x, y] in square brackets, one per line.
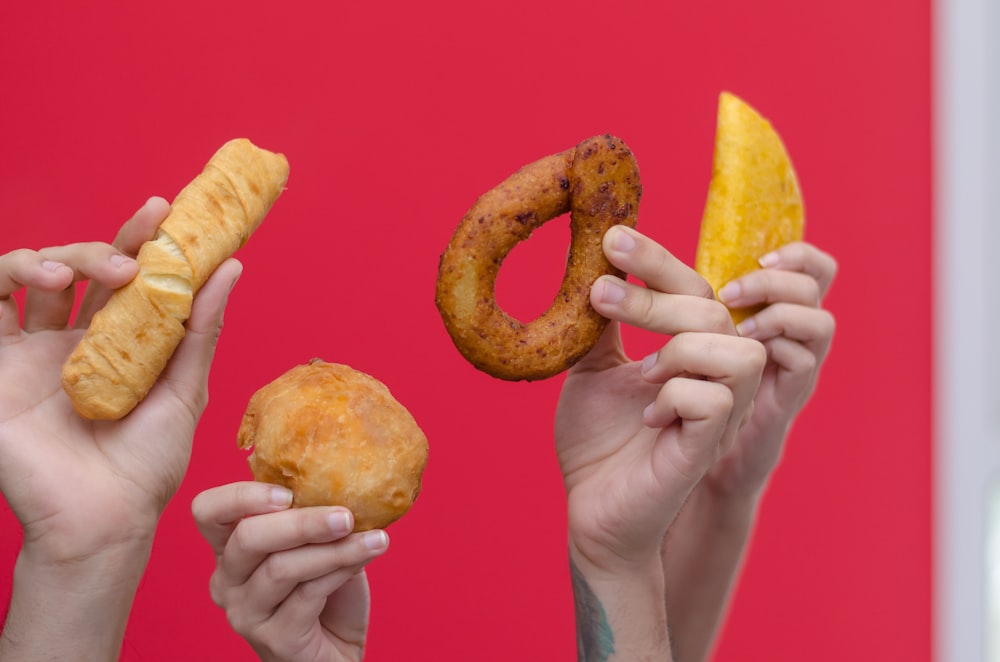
[597, 182]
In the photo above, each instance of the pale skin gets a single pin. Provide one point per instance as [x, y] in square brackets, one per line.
[88, 494]
[291, 580]
[665, 458]
[643, 445]
[704, 548]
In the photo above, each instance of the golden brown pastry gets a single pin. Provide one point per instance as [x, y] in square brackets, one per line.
[597, 182]
[754, 203]
[336, 437]
[130, 340]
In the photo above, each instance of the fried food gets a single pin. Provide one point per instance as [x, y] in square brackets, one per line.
[131, 339]
[336, 437]
[597, 182]
[754, 202]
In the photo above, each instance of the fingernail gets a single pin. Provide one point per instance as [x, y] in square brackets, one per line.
[768, 260]
[340, 521]
[648, 411]
[51, 265]
[621, 240]
[118, 260]
[281, 496]
[613, 291]
[648, 363]
[746, 327]
[730, 292]
[376, 540]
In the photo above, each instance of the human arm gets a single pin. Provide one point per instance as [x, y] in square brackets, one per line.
[635, 437]
[88, 494]
[291, 580]
[705, 548]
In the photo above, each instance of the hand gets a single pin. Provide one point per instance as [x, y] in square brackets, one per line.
[78, 486]
[704, 547]
[634, 438]
[797, 333]
[291, 580]
[88, 494]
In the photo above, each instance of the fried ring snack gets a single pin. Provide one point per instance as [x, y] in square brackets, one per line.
[754, 202]
[597, 182]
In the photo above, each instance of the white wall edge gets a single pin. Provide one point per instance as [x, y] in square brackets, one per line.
[966, 443]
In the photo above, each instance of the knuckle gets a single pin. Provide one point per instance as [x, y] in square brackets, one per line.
[275, 569]
[199, 508]
[756, 355]
[217, 590]
[237, 618]
[827, 323]
[718, 401]
[718, 319]
[243, 536]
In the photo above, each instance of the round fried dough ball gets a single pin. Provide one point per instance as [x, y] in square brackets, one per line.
[336, 437]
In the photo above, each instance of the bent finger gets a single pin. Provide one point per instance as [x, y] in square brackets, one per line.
[255, 538]
[94, 261]
[300, 580]
[659, 312]
[218, 510]
[186, 375]
[813, 327]
[27, 268]
[130, 238]
[806, 258]
[693, 415]
[736, 363]
[643, 258]
[768, 286]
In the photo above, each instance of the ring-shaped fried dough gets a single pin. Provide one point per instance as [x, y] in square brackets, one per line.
[597, 182]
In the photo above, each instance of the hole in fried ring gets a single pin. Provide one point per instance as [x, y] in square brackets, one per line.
[597, 182]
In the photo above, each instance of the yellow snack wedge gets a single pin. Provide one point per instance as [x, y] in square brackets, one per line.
[754, 202]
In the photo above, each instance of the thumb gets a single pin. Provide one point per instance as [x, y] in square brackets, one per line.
[188, 369]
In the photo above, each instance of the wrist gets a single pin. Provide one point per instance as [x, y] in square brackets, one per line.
[620, 612]
[70, 544]
[724, 508]
[85, 600]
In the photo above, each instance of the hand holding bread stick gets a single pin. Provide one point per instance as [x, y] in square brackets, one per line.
[130, 340]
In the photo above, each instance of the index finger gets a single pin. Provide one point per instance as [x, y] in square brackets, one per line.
[218, 510]
[131, 236]
[640, 256]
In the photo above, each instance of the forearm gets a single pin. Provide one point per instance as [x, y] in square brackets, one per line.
[72, 611]
[702, 555]
[620, 613]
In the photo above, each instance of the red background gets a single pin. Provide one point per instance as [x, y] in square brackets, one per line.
[395, 116]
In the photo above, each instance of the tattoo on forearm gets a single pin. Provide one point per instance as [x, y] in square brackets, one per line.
[594, 640]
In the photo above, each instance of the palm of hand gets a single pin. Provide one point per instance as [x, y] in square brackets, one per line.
[606, 455]
[94, 471]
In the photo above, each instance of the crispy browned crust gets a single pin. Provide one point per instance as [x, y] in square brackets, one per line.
[131, 339]
[336, 437]
[598, 183]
